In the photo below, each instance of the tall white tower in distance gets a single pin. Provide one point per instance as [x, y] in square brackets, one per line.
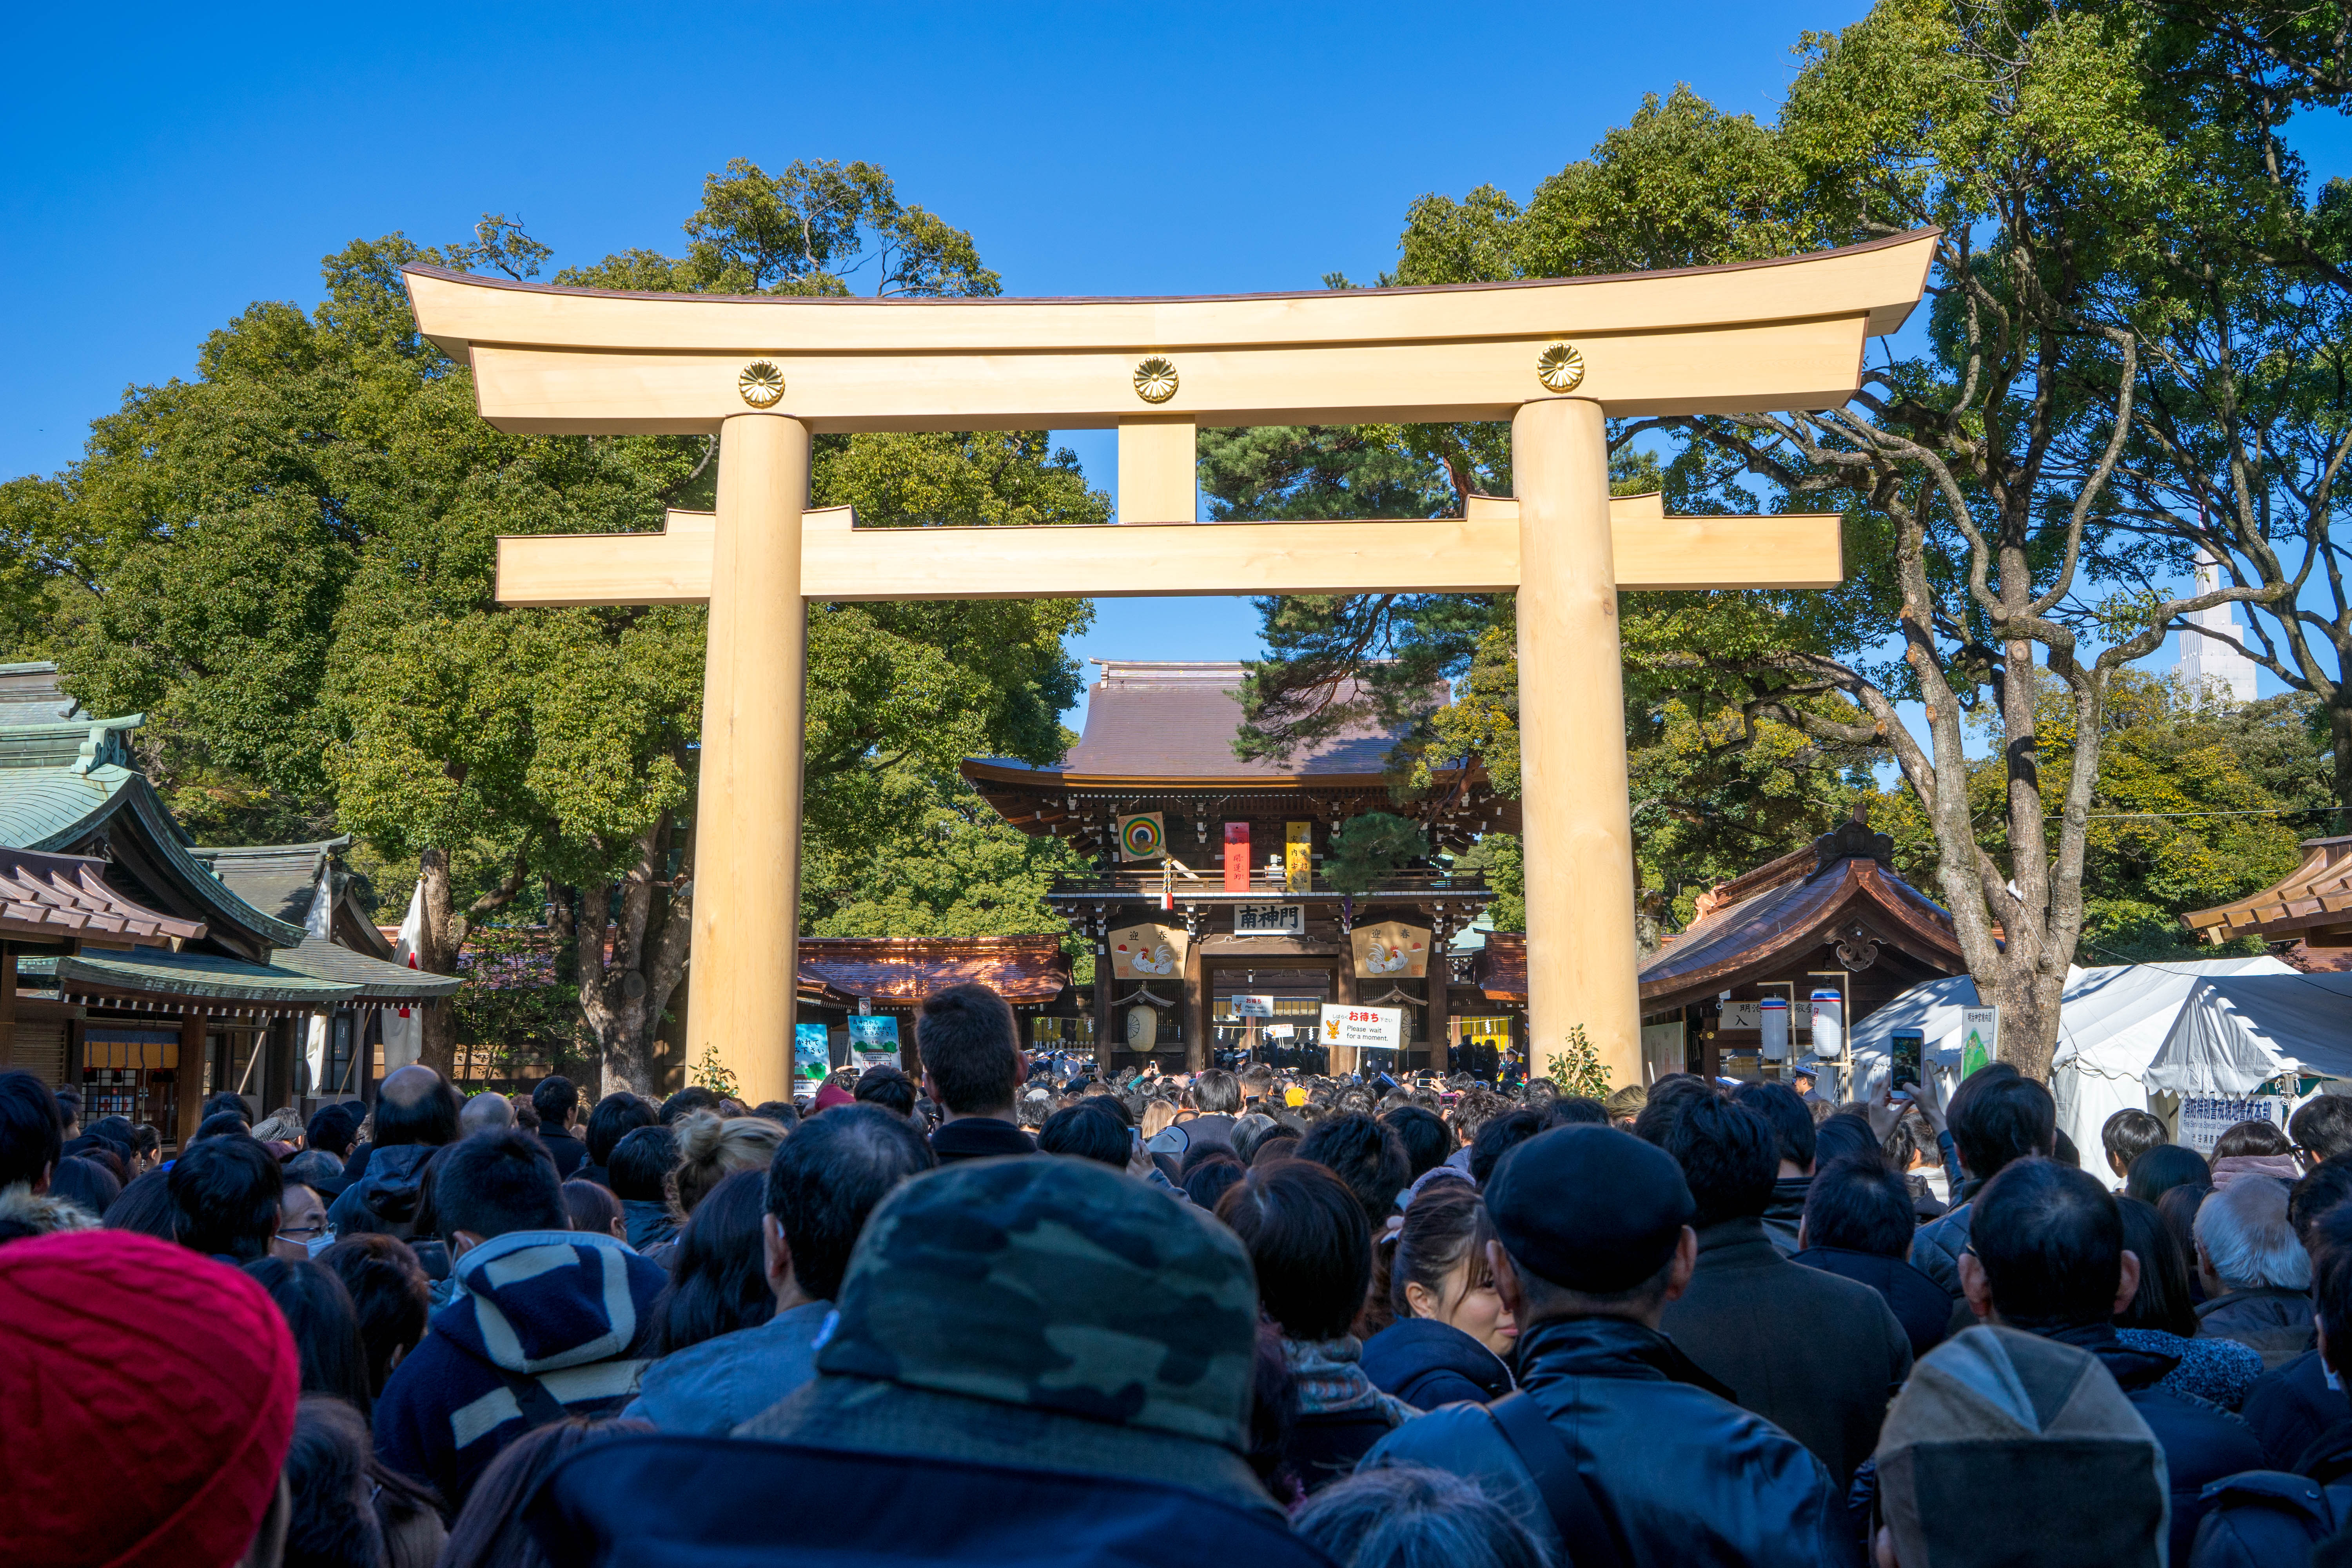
[2212, 670]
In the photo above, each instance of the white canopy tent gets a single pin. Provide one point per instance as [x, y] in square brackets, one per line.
[2112, 1021]
[2235, 1034]
[2111, 1025]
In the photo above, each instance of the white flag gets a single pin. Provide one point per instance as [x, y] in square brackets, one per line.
[403, 1030]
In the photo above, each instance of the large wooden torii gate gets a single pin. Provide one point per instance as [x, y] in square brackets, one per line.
[1555, 358]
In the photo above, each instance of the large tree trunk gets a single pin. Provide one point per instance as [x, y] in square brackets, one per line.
[630, 964]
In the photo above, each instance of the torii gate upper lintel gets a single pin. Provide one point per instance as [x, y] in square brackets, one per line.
[1555, 358]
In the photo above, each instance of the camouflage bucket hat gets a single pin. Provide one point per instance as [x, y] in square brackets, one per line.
[1056, 1285]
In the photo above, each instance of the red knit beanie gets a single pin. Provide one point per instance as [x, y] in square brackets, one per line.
[833, 1094]
[147, 1394]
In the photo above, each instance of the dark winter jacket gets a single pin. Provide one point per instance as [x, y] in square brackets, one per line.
[714, 1387]
[2203, 1443]
[1786, 1212]
[1917, 1303]
[2291, 1407]
[1936, 1249]
[2263, 1518]
[1427, 1363]
[384, 1198]
[664, 1498]
[979, 1138]
[1747, 1309]
[567, 1151]
[549, 1324]
[653, 1229]
[1680, 1475]
[2275, 1323]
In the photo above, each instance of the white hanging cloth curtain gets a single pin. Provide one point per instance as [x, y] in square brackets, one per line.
[319, 925]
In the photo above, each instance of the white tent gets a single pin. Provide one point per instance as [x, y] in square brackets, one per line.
[2111, 1024]
[2235, 1034]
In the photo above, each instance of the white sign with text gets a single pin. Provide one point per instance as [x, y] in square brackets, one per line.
[1380, 1029]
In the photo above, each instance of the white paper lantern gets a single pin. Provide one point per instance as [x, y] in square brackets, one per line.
[1773, 1017]
[1828, 1025]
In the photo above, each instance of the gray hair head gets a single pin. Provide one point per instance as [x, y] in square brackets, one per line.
[313, 1166]
[2243, 1232]
[486, 1113]
[1405, 1516]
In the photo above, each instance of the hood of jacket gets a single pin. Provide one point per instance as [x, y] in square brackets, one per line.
[1411, 1348]
[539, 1300]
[41, 1211]
[648, 1222]
[394, 1181]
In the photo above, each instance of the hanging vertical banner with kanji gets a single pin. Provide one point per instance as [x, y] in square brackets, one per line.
[1298, 855]
[1143, 837]
[1237, 857]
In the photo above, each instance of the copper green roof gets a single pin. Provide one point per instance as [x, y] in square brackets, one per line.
[59, 782]
[377, 980]
[204, 976]
[280, 879]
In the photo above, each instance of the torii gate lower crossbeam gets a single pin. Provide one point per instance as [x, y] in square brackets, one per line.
[1749, 338]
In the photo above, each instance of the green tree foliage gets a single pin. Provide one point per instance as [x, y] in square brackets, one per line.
[1977, 478]
[289, 561]
[2188, 812]
[1366, 847]
[813, 229]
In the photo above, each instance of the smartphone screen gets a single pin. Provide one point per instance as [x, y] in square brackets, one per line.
[1904, 1051]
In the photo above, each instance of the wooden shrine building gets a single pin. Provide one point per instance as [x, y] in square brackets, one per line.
[1243, 909]
[144, 970]
[2311, 906]
[1830, 917]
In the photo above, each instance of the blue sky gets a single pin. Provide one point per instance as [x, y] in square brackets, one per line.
[167, 165]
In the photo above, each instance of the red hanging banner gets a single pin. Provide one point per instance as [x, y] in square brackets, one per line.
[1237, 857]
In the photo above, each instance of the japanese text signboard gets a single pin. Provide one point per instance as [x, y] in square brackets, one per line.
[1269, 920]
[2204, 1118]
[1381, 1028]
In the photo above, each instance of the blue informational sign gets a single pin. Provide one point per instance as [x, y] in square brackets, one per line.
[873, 1041]
[811, 1059]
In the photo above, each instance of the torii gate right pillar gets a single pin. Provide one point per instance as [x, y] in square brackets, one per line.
[1576, 832]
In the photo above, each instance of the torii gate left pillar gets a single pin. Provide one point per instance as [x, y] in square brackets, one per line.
[1556, 358]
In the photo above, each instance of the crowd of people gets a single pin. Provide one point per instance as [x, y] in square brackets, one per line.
[995, 1313]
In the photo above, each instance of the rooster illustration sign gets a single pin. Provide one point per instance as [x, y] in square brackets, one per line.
[1391, 950]
[1148, 952]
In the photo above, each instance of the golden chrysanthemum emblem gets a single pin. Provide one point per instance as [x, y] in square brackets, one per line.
[762, 383]
[1155, 380]
[1560, 368]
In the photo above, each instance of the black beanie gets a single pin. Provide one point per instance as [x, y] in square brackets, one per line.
[1590, 1208]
